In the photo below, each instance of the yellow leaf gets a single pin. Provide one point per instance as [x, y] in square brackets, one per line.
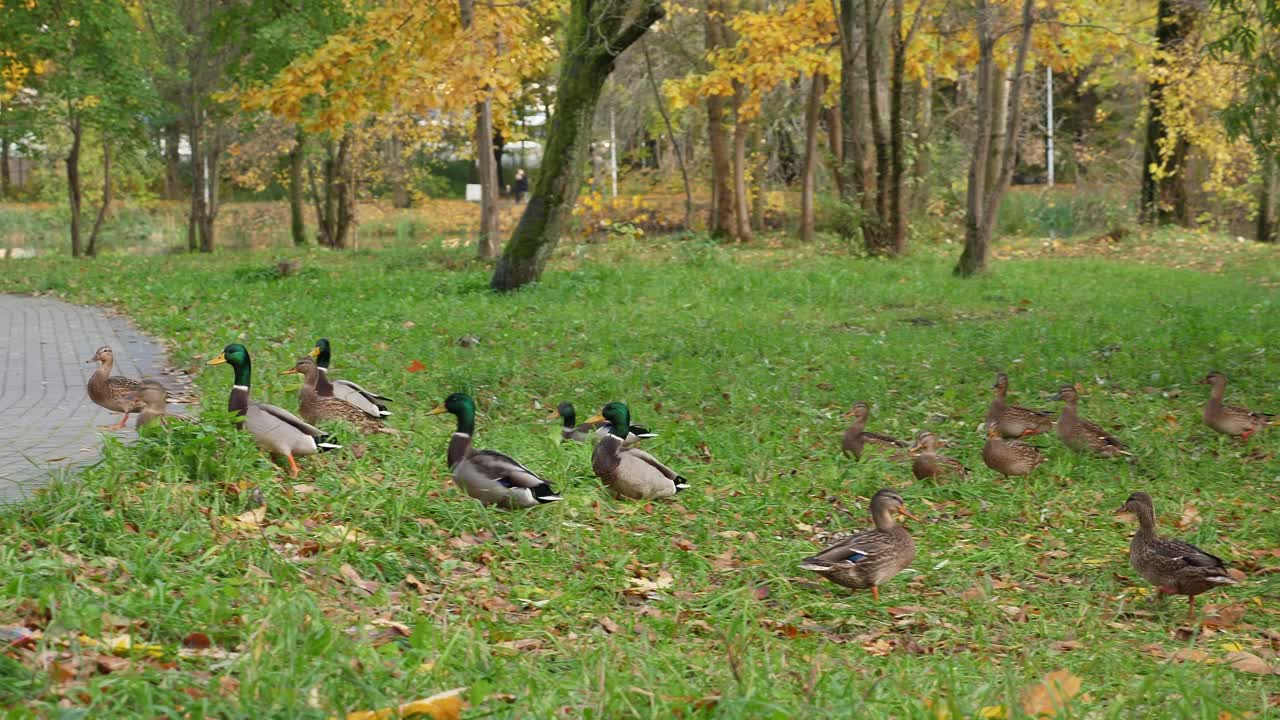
[1053, 693]
[447, 705]
[992, 712]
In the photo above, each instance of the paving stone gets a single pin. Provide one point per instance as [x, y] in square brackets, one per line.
[45, 411]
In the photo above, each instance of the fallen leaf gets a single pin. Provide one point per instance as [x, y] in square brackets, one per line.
[992, 712]
[108, 664]
[1053, 693]
[304, 489]
[400, 628]
[1248, 662]
[353, 578]
[684, 544]
[610, 626]
[196, 641]
[1190, 516]
[973, 593]
[409, 325]
[442, 706]
[644, 586]
[247, 520]
[416, 584]
[1190, 655]
[1066, 645]
[416, 366]
[904, 610]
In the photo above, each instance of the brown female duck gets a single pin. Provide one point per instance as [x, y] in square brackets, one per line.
[1080, 434]
[856, 438]
[1010, 457]
[1173, 566]
[112, 392]
[316, 408]
[1229, 419]
[155, 405]
[929, 464]
[1012, 420]
[869, 558]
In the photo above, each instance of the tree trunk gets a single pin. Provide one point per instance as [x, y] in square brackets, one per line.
[1164, 197]
[297, 220]
[1267, 202]
[73, 184]
[5, 179]
[488, 243]
[396, 175]
[901, 44]
[596, 32]
[344, 190]
[807, 187]
[721, 222]
[105, 208]
[855, 174]
[759, 172]
[741, 207]
[982, 201]
[835, 141]
[671, 133]
[999, 109]
[172, 161]
[919, 195]
[876, 230]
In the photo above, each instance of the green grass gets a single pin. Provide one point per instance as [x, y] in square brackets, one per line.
[742, 360]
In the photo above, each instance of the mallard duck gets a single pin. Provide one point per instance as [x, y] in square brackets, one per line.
[487, 475]
[1080, 434]
[154, 399]
[869, 558]
[370, 403]
[856, 437]
[1012, 420]
[315, 408]
[929, 464]
[112, 392]
[1229, 419]
[275, 429]
[596, 431]
[630, 472]
[1173, 566]
[1009, 457]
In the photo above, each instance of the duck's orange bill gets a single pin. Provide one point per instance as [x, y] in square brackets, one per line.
[555, 414]
[290, 371]
[438, 410]
[908, 513]
[596, 419]
[218, 360]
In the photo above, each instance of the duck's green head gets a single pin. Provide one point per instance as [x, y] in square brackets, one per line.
[617, 415]
[461, 406]
[321, 352]
[566, 413]
[237, 357]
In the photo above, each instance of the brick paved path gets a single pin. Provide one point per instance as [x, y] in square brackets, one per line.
[48, 424]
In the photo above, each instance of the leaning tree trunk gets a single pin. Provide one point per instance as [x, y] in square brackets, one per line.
[721, 222]
[671, 133]
[982, 200]
[807, 186]
[1164, 197]
[297, 220]
[73, 184]
[105, 208]
[597, 32]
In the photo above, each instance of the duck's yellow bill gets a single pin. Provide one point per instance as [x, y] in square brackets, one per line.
[290, 371]
[596, 419]
[315, 352]
[438, 410]
[222, 358]
[555, 415]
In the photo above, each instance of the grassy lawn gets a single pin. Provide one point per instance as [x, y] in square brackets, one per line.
[371, 581]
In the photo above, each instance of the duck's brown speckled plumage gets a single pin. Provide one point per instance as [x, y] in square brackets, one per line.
[1014, 421]
[870, 558]
[1081, 435]
[316, 408]
[113, 392]
[1010, 457]
[856, 438]
[929, 464]
[1230, 419]
[155, 405]
[1173, 566]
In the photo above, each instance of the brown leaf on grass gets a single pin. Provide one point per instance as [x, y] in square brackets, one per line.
[353, 578]
[1248, 662]
[447, 705]
[684, 544]
[247, 520]
[417, 585]
[196, 641]
[725, 561]
[1190, 655]
[1236, 574]
[228, 685]
[416, 366]
[974, 592]
[1190, 516]
[521, 645]
[610, 626]
[644, 586]
[400, 628]
[1066, 645]
[1053, 693]
[905, 610]
[1223, 615]
[62, 672]
[108, 664]
[305, 489]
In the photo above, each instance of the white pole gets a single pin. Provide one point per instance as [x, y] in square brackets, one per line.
[1048, 147]
[613, 155]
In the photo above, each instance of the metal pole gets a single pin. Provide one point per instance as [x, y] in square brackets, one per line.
[1048, 146]
[613, 155]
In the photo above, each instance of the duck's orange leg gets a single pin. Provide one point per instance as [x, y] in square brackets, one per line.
[875, 592]
[293, 466]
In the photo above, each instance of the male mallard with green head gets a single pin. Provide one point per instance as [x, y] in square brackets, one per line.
[571, 430]
[630, 472]
[275, 429]
[488, 475]
[315, 408]
[371, 404]
[869, 558]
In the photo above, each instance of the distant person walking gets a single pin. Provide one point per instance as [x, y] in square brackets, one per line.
[520, 186]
